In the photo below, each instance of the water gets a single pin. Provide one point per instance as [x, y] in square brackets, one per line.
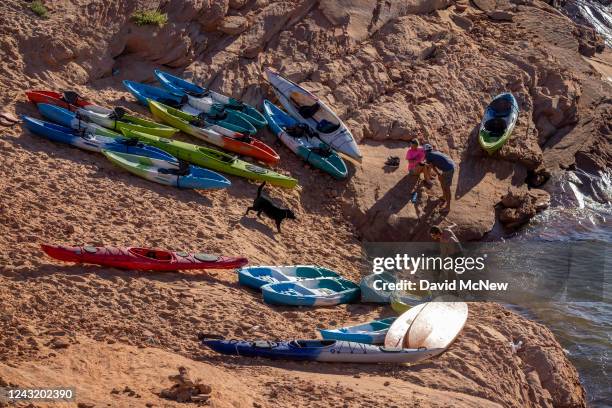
[582, 326]
[596, 14]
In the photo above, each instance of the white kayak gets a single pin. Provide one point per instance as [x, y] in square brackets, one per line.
[432, 325]
[307, 108]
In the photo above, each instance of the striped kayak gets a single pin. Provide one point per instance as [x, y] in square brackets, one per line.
[257, 276]
[372, 287]
[214, 134]
[498, 122]
[116, 119]
[332, 351]
[373, 332]
[307, 108]
[311, 292]
[202, 98]
[86, 140]
[402, 300]
[304, 142]
[150, 259]
[231, 121]
[213, 159]
[74, 120]
[168, 172]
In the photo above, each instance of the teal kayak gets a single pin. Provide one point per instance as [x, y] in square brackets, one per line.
[198, 96]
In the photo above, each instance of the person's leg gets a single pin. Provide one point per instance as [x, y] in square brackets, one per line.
[446, 180]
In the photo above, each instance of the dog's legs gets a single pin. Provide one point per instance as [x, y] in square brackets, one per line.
[258, 214]
[278, 224]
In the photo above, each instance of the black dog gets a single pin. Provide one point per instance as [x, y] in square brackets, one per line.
[263, 204]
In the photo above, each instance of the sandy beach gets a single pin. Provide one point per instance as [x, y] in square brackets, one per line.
[392, 71]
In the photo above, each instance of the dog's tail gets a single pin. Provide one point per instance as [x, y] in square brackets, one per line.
[259, 190]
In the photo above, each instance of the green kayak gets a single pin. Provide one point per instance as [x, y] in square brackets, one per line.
[119, 120]
[498, 122]
[213, 159]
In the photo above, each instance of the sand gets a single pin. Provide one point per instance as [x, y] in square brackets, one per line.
[103, 329]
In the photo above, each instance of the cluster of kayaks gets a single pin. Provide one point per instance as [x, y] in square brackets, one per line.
[310, 129]
[299, 285]
[420, 333]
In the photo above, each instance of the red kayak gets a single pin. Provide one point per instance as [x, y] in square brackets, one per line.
[67, 100]
[142, 258]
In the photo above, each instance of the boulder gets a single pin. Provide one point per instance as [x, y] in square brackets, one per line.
[500, 15]
[233, 25]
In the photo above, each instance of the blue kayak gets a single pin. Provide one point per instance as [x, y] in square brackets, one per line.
[373, 332]
[332, 351]
[73, 120]
[304, 142]
[372, 289]
[198, 95]
[85, 140]
[311, 292]
[257, 276]
[214, 114]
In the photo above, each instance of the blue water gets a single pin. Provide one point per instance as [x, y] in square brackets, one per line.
[582, 326]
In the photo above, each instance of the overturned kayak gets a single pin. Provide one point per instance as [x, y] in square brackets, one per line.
[373, 332]
[307, 108]
[332, 351]
[213, 159]
[373, 287]
[311, 292]
[232, 141]
[69, 119]
[432, 325]
[117, 119]
[304, 142]
[168, 172]
[257, 276]
[142, 258]
[214, 115]
[498, 122]
[201, 98]
[84, 139]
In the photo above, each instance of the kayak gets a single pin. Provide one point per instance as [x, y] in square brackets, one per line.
[84, 139]
[373, 332]
[116, 119]
[167, 172]
[213, 159]
[498, 122]
[372, 289]
[402, 300]
[235, 142]
[119, 120]
[332, 351]
[432, 325]
[304, 142]
[214, 114]
[68, 99]
[307, 108]
[198, 96]
[142, 258]
[73, 120]
[311, 292]
[257, 276]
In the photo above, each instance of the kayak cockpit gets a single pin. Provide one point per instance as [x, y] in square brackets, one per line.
[312, 343]
[156, 254]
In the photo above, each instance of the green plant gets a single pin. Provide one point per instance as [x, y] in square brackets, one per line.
[150, 17]
[39, 8]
